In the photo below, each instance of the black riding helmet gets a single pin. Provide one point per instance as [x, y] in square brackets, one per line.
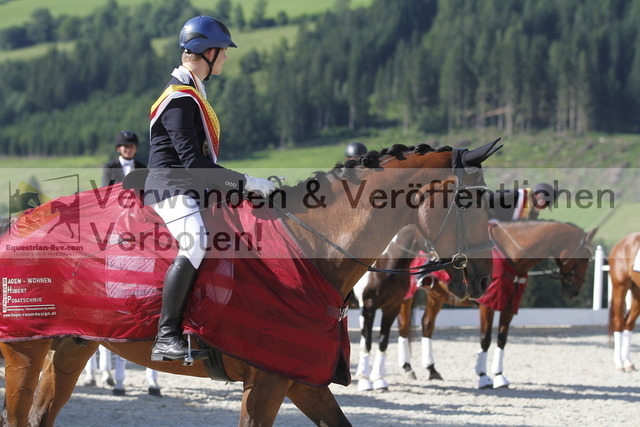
[126, 137]
[355, 149]
[548, 193]
[202, 33]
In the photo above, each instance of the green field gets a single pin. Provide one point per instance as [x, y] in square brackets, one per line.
[16, 12]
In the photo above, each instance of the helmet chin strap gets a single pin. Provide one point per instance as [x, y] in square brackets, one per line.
[210, 63]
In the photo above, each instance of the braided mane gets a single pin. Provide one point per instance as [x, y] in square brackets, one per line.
[370, 160]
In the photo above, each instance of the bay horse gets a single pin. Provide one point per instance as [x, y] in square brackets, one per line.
[524, 245]
[625, 276]
[444, 188]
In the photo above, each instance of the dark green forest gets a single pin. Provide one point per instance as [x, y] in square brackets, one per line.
[570, 66]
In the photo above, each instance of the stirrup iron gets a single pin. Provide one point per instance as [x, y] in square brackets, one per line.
[188, 359]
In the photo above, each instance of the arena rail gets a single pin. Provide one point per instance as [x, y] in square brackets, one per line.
[598, 315]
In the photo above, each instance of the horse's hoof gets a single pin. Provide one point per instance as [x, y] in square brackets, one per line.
[381, 385]
[629, 368]
[435, 376]
[410, 375]
[107, 378]
[500, 381]
[154, 391]
[89, 382]
[118, 392]
[364, 384]
[485, 382]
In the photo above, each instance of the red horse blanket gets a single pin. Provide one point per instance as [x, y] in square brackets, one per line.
[506, 288]
[92, 266]
[440, 275]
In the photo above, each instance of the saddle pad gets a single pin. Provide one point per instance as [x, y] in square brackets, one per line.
[99, 276]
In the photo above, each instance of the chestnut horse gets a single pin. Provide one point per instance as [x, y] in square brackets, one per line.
[625, 276]
[525, 244]
[37, 385]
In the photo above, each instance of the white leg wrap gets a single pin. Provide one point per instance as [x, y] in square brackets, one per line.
[91, 366]
[617, 349]
[364, 366]
[427, 353]
[481, 362]
[119, 374]
[404, 351]
[152, 378]
[378, 369]
[481, 369]
[498, 361]
[105, 359]
[625, 349]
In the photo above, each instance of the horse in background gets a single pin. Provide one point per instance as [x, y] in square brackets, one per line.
[39, 382]
[523, 244]
[384, 291]
[624, 269]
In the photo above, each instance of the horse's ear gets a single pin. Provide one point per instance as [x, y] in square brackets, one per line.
[477, 156]
[590, 234]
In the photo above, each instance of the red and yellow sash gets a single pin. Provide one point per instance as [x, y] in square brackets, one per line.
[209, 118]
[523, 206]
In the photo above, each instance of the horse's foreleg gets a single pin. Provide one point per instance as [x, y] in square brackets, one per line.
[618, 320]
[61, 370]
[363, 372]
[486, 322]
[433, 307]
[404, 339]
[318, 404]
[262, 397]
[378, 370]
[23, 363]
[497, 368]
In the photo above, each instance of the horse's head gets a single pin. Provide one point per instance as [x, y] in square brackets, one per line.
[573, 263]
[457, 228]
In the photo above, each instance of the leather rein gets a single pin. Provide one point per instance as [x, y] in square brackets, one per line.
[457, 261]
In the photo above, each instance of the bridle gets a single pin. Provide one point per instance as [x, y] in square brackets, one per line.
[565, 277]
[458, 261]
[568, 278]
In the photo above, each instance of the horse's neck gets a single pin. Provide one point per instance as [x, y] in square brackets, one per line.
[529, 245]
[361, 230]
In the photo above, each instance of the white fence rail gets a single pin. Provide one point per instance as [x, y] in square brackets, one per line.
[597, 315]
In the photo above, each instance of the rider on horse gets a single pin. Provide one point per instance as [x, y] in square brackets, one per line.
[523, 203]
[184, 138]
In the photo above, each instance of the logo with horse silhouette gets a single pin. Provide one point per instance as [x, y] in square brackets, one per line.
[60, 214]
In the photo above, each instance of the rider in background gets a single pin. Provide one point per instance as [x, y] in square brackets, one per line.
[521, 204]
[114, 171]
[184, 139]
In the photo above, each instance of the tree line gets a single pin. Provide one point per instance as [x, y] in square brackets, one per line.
[434, 66]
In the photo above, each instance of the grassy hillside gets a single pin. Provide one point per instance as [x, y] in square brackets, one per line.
[15, 12]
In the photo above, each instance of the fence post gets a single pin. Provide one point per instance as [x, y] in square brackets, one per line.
[597, 278]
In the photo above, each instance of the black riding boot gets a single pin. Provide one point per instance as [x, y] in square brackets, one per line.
[170, 345]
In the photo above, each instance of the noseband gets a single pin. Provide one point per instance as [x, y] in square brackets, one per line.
[567, 277]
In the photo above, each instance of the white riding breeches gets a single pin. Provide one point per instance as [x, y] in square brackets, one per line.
[181, 215]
